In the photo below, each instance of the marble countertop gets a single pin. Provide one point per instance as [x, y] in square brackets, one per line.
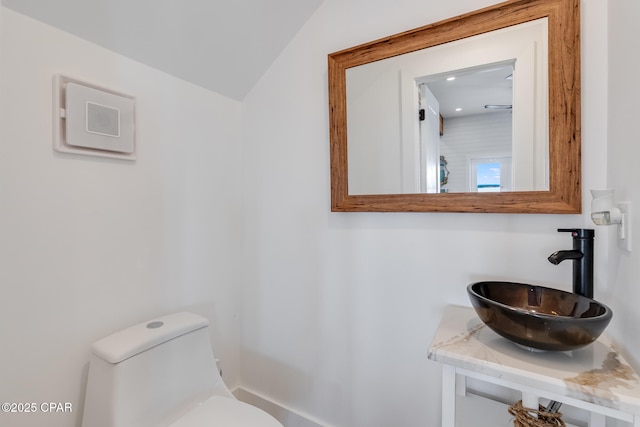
[596, 373]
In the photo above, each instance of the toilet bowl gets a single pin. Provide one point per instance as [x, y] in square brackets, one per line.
[162, 373]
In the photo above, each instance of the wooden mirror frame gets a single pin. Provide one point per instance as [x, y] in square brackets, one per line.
[564, 195]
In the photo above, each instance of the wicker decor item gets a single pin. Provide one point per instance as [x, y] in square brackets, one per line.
[525, 417]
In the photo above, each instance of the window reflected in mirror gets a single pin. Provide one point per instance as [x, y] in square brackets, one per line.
[490, 175]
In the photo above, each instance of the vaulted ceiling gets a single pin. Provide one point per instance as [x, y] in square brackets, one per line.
[222, 45]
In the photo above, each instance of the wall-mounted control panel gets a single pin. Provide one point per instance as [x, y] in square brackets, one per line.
[92, 120]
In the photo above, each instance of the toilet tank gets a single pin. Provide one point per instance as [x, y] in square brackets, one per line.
[151, 373]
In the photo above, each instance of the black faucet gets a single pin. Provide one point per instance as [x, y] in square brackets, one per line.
[582, 256]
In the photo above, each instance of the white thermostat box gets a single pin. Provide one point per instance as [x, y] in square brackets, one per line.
[92, 120]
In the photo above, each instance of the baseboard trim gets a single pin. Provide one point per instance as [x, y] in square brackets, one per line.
[287, 416]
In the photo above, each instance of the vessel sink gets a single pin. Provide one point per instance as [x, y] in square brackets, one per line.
[538, 317]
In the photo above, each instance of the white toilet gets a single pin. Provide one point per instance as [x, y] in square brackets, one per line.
[162, 373]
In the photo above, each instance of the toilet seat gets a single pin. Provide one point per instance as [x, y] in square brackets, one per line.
[228, 412]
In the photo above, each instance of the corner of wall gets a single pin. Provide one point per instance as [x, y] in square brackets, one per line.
[287, 416]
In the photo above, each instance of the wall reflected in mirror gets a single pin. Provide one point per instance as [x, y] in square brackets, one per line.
[480, 104]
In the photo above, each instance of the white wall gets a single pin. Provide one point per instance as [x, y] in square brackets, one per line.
[623, 172]
[375, 157]
[88, 245]
[479, 135]
[339, 308]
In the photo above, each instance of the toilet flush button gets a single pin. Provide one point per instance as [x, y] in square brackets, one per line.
[154, 325]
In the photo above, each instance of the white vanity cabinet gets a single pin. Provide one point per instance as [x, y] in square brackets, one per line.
[595, 378]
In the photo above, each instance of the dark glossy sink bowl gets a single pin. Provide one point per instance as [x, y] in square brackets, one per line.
[537, 317]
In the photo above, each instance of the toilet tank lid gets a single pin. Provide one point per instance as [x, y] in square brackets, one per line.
[134, 340]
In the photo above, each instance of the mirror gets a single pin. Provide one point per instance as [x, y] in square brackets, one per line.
[472, 100]
[395, 141]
